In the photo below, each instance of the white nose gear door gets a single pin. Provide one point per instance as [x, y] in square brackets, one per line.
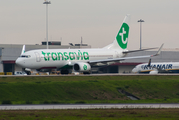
[38, 59]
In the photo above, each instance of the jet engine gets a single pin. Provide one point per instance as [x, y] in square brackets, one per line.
[155, 71]
[82, 67]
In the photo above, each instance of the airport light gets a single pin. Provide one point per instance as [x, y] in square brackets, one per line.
[47, 2]
[140, 32]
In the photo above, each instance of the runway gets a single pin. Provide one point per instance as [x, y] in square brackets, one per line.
[86, 106]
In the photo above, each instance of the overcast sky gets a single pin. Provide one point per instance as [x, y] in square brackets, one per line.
[97, 21]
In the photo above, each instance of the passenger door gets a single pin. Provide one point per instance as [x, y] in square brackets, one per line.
[38, 59]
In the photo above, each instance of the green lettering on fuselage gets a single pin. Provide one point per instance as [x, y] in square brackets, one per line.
[60, 55]
[54, 56]
[48, 56]
[66, 56]
[86, 56]
[44, 56]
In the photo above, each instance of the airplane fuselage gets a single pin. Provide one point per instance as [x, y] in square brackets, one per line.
[170, 67]
[58, 58]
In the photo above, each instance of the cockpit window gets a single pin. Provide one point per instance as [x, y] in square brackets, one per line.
[25, 56]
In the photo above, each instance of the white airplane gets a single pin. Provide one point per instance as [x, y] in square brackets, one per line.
[155, 68]
[80, 60]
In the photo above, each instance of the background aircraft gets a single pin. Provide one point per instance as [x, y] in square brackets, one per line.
[155, 68]
[80, 60]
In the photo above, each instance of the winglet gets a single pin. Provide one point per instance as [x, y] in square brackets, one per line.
[23, 49]
[159, 51]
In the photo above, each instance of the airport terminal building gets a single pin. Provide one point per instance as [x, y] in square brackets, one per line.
[10, 52]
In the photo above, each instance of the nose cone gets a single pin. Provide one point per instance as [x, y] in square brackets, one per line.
[134, 70]
[19, 62]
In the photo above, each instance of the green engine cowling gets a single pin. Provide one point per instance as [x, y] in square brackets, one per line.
[82, 67]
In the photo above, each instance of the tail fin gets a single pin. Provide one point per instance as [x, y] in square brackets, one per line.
[149, 63]
[121, 39]
[23, 49]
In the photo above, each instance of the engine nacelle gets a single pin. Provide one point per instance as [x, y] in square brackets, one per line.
[153, 72]
[82, 67]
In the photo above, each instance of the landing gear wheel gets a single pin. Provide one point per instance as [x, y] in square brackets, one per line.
[28, 72]
[64, 72]
[86, 73]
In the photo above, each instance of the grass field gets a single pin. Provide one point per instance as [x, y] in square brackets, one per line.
[94, 114]
[88, 89]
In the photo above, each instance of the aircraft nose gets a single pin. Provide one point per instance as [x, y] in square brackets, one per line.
[19, 62]
[134, 70]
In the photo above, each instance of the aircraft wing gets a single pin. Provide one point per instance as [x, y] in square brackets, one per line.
[138, 50]
[125, 58]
